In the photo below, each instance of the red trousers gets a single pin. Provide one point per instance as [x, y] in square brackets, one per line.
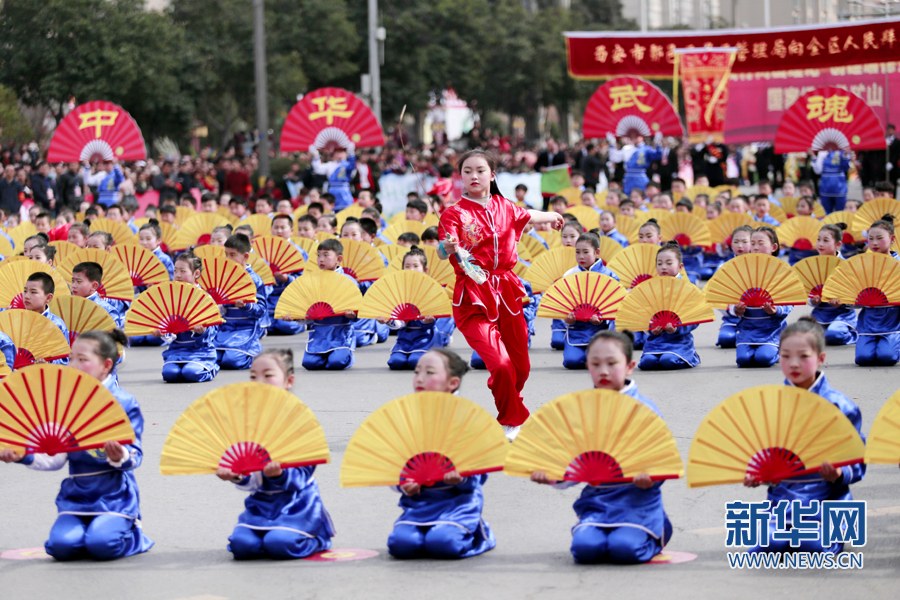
[503, 345]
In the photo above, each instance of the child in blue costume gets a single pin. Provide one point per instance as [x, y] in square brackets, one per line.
[740, 244]
[637, 159]
[671, 347]
[802, 352]
[713, 256]
[838, 320]
[649, 233]
[283, 227]
[101, 240]
[569, 236]
[237, 340]
[86, 279]
[442, 520]
[38, 292]
[579, 333]
[805, 206]
[879, 327]
[191, 355]
[99, 512]
[617, 523]
[150, 238]
[8, 349]
[284, 516]
[339, 172]
[759, 328]
[832, 166]
[761, 211]
[608, 228]
[367, 331]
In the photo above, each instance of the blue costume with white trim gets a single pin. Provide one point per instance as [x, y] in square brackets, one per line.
[190, 357]
[637, 161]
[237, 340]
[8, 348]
[579, 334]
[339, 181]
[331, 341]
[833, 166]
[62, 327]
[414, 338]
[538, 237]
[879, 336]
[839, 323]
[670, 351]
[616, 237]
[758, 335]
[766, 219]
[368, 331]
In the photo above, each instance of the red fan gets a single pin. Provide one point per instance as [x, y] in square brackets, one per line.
[330, 118]
[95, 131]
[629, 106]
[829, 119]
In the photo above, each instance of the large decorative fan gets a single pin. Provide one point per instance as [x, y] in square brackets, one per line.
[354, 210]
[393, 251]
[143, 266]
[116, 281]
[695, 190]
[883, 445]
[35, 337]
[362, 261]
[829, 118]
[872, 211]
[171, 307]
[629, 106]
[636, 264]
[663, 301]
[521, 251]
[431, 219]
[169, 232]
[868, 279]
[441, 270]
[549, 267]
[585, 295]
[197, 230]
[629, 227]
[319, 295]
[96, 131]
[686, 229]
[227, 282]
[307, 244]
[789, 204]
[21, 232]
[814, 271]
[392, 232]
[609, 249]
[301, 210]
[852, 233]
[754, 280]
[420, 438]
[119, 231]
[321, 236]
[282, 256]
[51, 409]
[595, 437]
[653, 213]
[721, 228]
[330, 118]
[799, 233]
[63, 249]
[587, 216]
[572, 196]
[80, 315]
[243, 427]
[406, 296]
[182, 214]
[209, 252]
[534, 246]
[260, 224]
[13, 276]
[772, 433]
[553, 238]
[6, 247]
[261, 268]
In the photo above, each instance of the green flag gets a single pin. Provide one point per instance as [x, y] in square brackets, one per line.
[555, 179]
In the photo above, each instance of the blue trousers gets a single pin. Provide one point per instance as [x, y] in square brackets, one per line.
[622, 545]
[752, 356]
[233, 359]
[335, 360]
[727, 336]
[574, 357]
[145, 340]
[558, 339]
[662, 362]
[708, 272]
[436, 541]
[187, 373]
[279, 327]
[839, 333]
[639, 338]
[104, 537]
[477, 362]
[833, 203]
[246, 543]
[398, 361]
[876, 351]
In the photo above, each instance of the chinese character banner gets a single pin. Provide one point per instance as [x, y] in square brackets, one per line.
[628, 106]
[330, 118]
[829, 119]
[95, 131]
[602, 55]
[704, 80]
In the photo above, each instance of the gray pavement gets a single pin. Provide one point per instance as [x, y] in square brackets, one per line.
[190, 517]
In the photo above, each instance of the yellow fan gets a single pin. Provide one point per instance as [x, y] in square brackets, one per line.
[852, 233]
[431, 219]
[354, 210]
[421, 437]
[868, 213]
[883, 445]
[392, 232]
[440, 270]
[143, 266]
[635, 264]
[699, 212]
[169, 232]
[52, 409]
[587, 216]
[406, 296]
[6, 247]
[243, 427]
[197, 230]
[695, 190]
[585, 294]
[868, 279]
[321, 236]
[34, 335]
[209, 252]
[553, 238]
[609, 249]
[301, 210]
[307, 244]
[549, 267]
[393, 251]
[814, 271]
[686, 229]
[777, 213]
[799, 233]
[721, 228]
[282, 256]
[13, 276]
[116, 281]
[260, 224]
[182, 214]
[261, 268]
[225, 212]
[523, 253]
[754, 280]
[771, 433]
[725, 188]
[362, 261]
[521, 270]
[657, 213]
[572, 196]
[11, 259]
[5, 369]
[601, 197]
[319, 295]
[790, 208]
[80, 315]
[171, 307]
[63, 249]
[22, 232]
[629, 227]
[595, 437]
[227, 282]
[120, 232]
[534, 246]
[663, 301]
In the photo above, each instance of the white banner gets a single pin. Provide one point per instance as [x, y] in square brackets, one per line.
[507, 183]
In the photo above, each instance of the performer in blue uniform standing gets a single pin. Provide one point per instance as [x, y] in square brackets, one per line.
[838, 320]
[237, 340]
[637, 158]
[99, 512]
[339, 172]
[879, 327]
[832, 166]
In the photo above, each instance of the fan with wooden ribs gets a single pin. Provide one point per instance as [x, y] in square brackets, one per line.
[172, 308]
[405, 296]
[754, 280]
[663, 301]
[96, 131]
[227, 282]
[549, 267]
[319, 295]
[80, 315]
[143, 266]
[35, 337]
[585, 294]
[814, 271]
[282, 256]
[330, 118]
[867, 280]
[883, 445]
[116, 281]
[13, 276]
[629, 106]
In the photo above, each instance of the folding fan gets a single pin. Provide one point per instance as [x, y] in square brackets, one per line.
[52, 409]
[35, 337]
[601, 197]
[431, 219]
[595, 437]
[260, 224]
[520, 269]
[392, 232]
[656, 213]
[799, 233]
[553, 238]
[534, 246]
[362, 261]
[852, 233]
[209, 251]
[96, 131]
[11, 259]
[829, 118]
[197, 230]
[420, 438]
[171, 307]
[168, 236]
[663, 301]
[330, 118]
[630, 106]
[572, 196]
[441, 270]
[635, 264]
[282, 256]
[686, 229]
[13, 276]
[120, 232]
[870, 212]
[587, 216]
[393, 251]
[406, 296]
[6, 247]
[63, 249]
[629, 227]
[521, 251]
[80, 315]
[261, 268]
[609, 249]
[319, 295]
[777, 213]
[721, 228]
[354, 210]
[321, 236]
[182, 214]
[243, 427]
[789, 204]
[5, 369]
[301, 210]
[116, 281]
[883, 445]
[227, 282]
[549, 267]
[772, 433]
[143, 266]
[754, 280]
[585, 294]
[695, 190]
[814, 271]
[868, 279]
[307, 244]
[21, 232]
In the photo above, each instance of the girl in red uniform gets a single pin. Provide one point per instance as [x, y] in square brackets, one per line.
[489, 315]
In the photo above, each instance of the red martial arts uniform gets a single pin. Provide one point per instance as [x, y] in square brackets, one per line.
[490, 315]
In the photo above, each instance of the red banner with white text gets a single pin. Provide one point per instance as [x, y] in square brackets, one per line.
[704, 80]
